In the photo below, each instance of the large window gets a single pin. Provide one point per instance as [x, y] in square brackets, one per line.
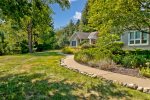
[138, 38]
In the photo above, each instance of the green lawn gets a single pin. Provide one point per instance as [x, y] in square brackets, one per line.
[39, 76]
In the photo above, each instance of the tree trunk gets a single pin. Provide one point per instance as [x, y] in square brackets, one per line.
[29, 30]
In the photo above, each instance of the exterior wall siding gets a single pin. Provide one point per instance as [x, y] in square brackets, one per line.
[124, 38]
[74, 39]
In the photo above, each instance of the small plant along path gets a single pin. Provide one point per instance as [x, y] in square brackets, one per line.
[39, 76]
[70, 62]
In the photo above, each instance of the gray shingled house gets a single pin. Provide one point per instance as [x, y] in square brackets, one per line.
[78, 37]
[136, 39]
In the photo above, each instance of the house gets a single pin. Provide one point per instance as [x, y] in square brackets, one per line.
[132, 39]
[136, 39]
[93, 37]
[79, 37]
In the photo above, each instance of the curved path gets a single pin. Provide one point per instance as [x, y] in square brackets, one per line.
[71, 63]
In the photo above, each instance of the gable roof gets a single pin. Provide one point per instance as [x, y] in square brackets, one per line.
[93, 35]
[85, 35]
[82, 35]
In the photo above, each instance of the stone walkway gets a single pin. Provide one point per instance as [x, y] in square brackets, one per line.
[141, 83]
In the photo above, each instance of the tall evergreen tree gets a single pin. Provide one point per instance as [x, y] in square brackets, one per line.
[84, 23]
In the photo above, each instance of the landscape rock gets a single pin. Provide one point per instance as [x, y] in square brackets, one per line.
[132, 86]
[123, 83]
[62, 64]
[146, 90]
[115, 82]
[94, 75]
[140, 88]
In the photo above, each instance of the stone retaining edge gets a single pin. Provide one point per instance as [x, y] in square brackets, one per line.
[131, 86]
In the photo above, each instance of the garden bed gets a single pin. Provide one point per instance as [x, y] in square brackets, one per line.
[132, 63]
[135, 72]
[126, 71]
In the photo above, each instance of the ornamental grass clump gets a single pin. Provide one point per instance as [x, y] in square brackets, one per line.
[145, 71]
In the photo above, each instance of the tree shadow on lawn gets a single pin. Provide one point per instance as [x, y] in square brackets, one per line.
[108, 90]
[25, 86]
[46, 53]
[29, 86]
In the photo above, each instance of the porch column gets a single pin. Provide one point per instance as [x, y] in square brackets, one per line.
[90, 41]
[76, 43]
[80, 40]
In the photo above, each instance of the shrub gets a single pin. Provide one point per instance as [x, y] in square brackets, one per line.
[68, 50]
[5, 49]
[139, 52]
[133, 61]
[106, 64]
[84, 56]
[24, 47]
[84, 42]
[117, 58]
[118, 44]
[116, 48]
[145, 72]
[126, 61]
[88, 46]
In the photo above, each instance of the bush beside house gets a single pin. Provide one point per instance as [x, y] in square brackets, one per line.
[112, 55]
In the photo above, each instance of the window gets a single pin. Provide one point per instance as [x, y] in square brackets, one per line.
[73, 43]
[138, 38]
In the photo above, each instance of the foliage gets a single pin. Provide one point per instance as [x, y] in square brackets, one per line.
[84, 25]
[84, 56]
[134, 61]
[30, 16]
[117, 16]
[84, 42]
[132, 58]
[24, 47]
[100, 54]
[145, 71]
[66, 32]
[117, 58]
[39, 76]
[68, 50]
[87, 46]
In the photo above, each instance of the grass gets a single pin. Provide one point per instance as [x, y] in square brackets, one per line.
[39, 76]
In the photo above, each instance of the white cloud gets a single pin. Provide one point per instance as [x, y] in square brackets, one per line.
[72, 1]
[77, 15]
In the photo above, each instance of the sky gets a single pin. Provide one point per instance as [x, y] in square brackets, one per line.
[62, 18]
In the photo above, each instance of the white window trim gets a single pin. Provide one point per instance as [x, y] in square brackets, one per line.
[141, 44]
[72, 42]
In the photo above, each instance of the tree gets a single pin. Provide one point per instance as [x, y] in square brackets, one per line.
[66, 32]
[31, 15]
[84, 25]
[77, 24]
[116, 16]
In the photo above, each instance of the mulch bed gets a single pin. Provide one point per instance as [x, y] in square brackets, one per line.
[126, 71]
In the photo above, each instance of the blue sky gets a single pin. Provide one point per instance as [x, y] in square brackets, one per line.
[62, 18]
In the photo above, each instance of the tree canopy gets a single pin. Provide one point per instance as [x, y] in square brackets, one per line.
[119, 15]
[31, 16]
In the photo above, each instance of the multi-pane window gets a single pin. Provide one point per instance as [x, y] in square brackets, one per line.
[137, 37]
